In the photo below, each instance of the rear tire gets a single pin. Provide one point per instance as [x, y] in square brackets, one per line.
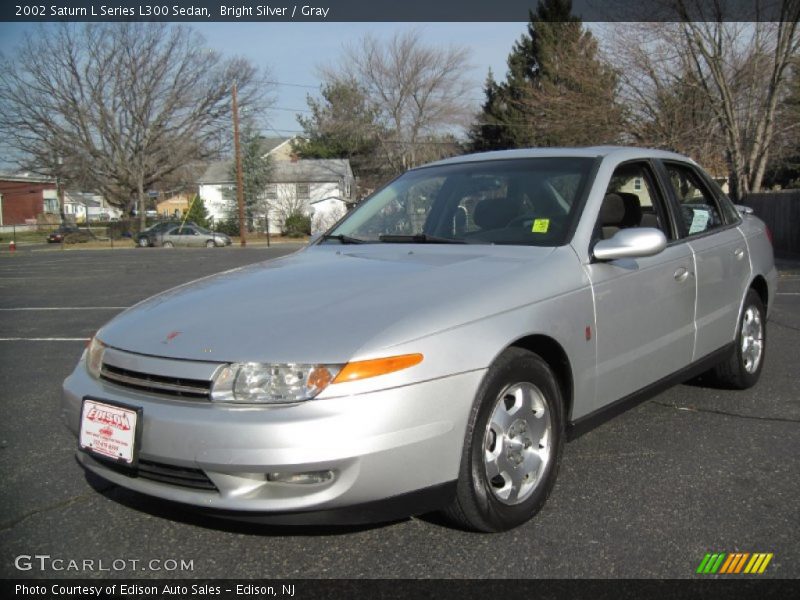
[743, 368]
[143, 242]
[513, 445]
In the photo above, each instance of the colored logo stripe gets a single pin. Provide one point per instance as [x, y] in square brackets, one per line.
[734, 563]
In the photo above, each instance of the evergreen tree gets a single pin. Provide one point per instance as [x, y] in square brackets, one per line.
[256, 171]
[343, 124]
[492, 131]
[197, 212]
[557, 90]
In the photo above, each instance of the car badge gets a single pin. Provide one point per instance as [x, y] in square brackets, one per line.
[171, 336]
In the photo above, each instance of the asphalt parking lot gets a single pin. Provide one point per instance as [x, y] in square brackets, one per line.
[647, 495]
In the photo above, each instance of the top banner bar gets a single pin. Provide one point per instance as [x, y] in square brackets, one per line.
[389, 10]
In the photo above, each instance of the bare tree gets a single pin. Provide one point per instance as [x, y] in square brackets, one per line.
[118, 106]
[419, 92]
[667, 106]
[287, 203]
[735, 73]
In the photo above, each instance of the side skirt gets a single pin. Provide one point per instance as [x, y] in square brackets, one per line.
[588, 422]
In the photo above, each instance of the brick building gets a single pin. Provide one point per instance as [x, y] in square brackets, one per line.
[23, 198]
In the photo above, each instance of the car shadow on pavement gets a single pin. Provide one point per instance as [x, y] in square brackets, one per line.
[190, 515]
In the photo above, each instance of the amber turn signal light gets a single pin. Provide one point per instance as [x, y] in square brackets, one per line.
[364, 369]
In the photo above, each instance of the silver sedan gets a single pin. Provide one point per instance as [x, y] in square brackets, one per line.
[189, 236]
[437, 348]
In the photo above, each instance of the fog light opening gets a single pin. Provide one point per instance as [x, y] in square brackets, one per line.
[310, 477]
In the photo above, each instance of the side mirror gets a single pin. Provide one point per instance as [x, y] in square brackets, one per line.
[636, 242]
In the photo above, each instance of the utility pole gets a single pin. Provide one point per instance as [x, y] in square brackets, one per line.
[60, 189]
[239, 178]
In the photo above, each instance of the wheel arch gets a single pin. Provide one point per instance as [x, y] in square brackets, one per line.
[759, 284]
[550, 351]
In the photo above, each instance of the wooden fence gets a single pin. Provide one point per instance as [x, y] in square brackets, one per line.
[781, 212]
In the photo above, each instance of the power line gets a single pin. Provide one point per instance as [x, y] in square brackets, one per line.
[318, 87]
[285, 109]
[299, 85]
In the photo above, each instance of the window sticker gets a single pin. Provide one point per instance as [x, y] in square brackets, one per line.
[699, 220]
[540, 225]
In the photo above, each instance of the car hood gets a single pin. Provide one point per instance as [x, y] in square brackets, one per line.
[327, 303]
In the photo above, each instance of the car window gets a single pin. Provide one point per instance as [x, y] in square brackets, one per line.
[521, 201]
[632, 199]
[699, 210]
[405, 212]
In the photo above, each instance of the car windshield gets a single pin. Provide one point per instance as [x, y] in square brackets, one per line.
[531, 201]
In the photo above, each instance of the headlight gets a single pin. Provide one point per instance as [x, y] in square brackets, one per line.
[259, 383]
[94, 357]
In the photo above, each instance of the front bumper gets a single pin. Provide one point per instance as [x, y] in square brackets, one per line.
[379, 445]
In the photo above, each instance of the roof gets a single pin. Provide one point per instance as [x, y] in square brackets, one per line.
[317, 170]
[268, 144]
[219, 171]
[623, 152]
[25, 178]
[82, 198]
[311, 170]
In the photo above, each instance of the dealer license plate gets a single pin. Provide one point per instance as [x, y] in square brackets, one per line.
[110, 430]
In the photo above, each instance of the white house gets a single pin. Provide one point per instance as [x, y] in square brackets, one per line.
[319, 188]
[79, 206]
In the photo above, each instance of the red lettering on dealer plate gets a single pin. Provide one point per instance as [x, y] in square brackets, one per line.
[98, 415]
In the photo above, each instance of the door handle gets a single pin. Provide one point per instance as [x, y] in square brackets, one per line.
[739, 253]
[681, 274]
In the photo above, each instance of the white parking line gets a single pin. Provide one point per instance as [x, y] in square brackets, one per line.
[67, 308]
[23, 339]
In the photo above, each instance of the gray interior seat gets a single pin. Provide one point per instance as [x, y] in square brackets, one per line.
[620, 210]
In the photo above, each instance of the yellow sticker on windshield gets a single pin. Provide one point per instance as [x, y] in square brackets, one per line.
[540, 225]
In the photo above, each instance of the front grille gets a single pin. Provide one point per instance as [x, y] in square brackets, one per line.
[170, 386]
[164, 473]
[182, 476]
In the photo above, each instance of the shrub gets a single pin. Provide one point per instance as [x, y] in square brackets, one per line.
[229, 226]
[297, 225]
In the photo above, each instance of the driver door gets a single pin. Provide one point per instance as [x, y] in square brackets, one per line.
[644, 307]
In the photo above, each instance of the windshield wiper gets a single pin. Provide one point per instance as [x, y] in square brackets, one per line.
[345, 239]
[418, 238]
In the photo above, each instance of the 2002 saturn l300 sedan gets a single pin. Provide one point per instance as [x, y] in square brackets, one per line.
[435, 349]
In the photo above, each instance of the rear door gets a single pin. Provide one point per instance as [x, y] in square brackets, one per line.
[722, 264]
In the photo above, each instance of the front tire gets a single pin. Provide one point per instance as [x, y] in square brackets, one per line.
[743, 369]
[210, 244]
[513, 445]
[167, 245]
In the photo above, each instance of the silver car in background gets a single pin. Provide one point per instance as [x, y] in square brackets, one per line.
[187, 236]
[436, 348]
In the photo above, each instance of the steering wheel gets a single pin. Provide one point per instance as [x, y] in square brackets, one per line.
[520, 220]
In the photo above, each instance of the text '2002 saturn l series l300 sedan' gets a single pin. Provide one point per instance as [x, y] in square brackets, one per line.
[434, 349]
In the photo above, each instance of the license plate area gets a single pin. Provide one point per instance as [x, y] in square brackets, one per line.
[111, 431]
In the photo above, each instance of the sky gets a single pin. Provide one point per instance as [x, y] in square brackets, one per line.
[293, 51]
